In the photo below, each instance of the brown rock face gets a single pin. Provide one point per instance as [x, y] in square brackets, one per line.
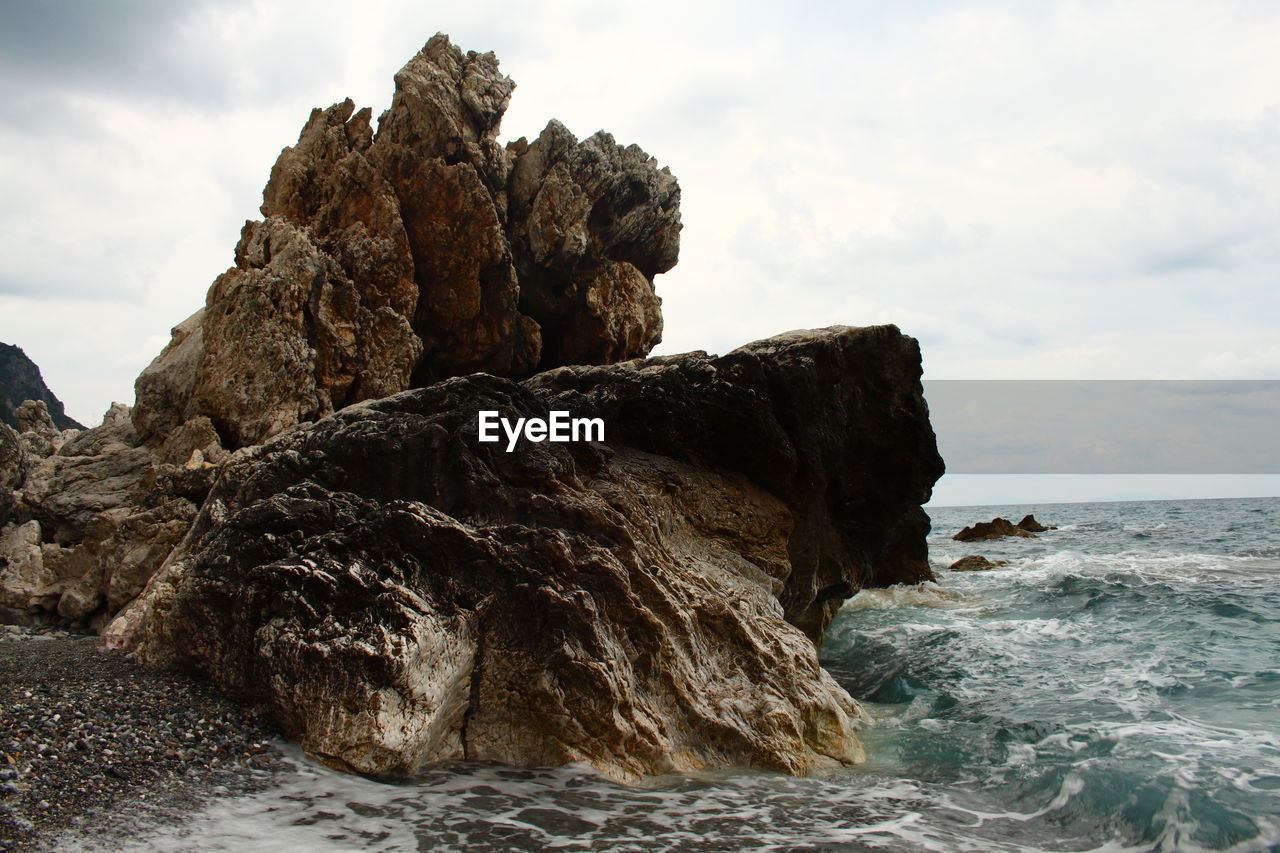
[394, 591]
[424, 251]
[382, 261]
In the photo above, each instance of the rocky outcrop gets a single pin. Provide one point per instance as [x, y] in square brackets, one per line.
[976, 563]
[93, 521]
[383, 261]
[393, 591]
[996, 528]
[424, 251]
[93, 472]
[20, 380]
[347, 555]
[40, 436]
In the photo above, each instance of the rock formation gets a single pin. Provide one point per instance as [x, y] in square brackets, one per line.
[976, 563]
[996, 528]
[394, 592]
[94, 515]
[424, 251]
[20, 380]
[383, 261]
[345, 554]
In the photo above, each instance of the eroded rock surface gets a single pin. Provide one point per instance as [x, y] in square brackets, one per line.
[383, 261]
[424, 251]
[393, 591]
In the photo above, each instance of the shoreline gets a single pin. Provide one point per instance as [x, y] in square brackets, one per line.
[92, 741]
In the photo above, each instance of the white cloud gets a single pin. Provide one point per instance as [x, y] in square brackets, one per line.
[1055, 190]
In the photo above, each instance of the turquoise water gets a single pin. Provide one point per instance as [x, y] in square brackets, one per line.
[1115, 687]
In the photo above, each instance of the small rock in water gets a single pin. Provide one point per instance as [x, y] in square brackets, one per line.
[996, 528]
[976, 563]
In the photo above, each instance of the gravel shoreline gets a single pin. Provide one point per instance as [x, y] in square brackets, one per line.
[91, 742]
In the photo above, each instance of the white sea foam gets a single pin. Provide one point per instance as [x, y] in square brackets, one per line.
[483, 808]
[927, 594]
[1140, 564]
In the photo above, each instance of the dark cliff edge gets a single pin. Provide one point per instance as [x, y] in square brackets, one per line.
[20, 380]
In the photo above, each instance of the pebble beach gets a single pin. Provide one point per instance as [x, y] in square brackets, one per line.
[93, 743]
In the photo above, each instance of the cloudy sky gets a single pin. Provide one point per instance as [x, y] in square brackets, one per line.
[1057, 190]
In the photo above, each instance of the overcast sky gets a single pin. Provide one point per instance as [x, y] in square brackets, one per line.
[1034, 190]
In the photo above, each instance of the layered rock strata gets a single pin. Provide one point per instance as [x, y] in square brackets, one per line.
[425, 250]
[393, 591]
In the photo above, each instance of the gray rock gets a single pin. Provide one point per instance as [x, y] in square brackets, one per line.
[39, 436]
[106, 513]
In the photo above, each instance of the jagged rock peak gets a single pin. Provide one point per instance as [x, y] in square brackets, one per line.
[427, 250]
[431, 86]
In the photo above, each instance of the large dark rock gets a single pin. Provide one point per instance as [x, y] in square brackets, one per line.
[393, 591]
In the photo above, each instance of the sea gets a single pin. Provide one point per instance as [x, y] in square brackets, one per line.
[1114, 687]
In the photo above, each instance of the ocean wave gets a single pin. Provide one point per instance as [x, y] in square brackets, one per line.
[927, 594]
[1144, 566]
